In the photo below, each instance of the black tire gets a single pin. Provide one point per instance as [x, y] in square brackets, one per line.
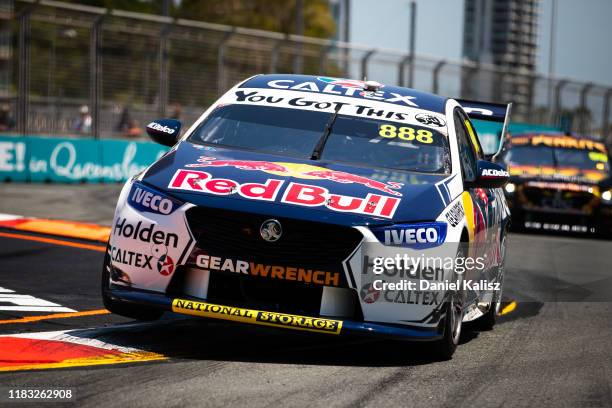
[451, 326]
[453, 314]
[122, 308]
[487, 321]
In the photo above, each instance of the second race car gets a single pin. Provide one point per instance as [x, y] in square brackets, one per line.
[559, 182]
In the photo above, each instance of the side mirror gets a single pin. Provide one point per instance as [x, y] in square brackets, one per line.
[164, 131]
[490, 175]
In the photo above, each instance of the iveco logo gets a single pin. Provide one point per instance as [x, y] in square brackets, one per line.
[271, 230]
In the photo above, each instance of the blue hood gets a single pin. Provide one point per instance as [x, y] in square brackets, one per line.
[414, 194]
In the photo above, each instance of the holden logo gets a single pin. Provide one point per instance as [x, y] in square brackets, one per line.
[271, 230]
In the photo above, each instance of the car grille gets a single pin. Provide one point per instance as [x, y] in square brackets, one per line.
[304, 244]
[269, 295]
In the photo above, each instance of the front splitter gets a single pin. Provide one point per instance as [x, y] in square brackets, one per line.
[317, 324]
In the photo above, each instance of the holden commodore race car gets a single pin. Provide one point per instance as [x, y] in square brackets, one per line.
[558, 182]
[278, 206]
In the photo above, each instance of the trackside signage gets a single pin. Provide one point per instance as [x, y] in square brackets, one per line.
[41, 159]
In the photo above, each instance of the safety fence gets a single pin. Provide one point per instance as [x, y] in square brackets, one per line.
[105, 73]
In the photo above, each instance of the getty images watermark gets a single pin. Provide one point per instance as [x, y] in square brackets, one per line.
[423, 276]
[429, 272]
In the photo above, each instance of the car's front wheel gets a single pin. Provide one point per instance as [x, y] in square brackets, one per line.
[451, 326]
[122, 308]
[488, 320]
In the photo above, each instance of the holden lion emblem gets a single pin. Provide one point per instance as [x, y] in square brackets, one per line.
[271, 230]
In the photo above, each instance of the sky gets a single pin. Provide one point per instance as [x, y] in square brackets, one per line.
[583, 35]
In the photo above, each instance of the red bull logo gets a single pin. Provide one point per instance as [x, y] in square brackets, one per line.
[304, 195]
[298, 170]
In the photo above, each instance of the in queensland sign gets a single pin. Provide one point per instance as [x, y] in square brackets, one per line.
[41, 159]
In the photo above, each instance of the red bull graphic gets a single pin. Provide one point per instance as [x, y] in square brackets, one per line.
[301, 171]
[239, 164]
[342, 177]
[304, 195]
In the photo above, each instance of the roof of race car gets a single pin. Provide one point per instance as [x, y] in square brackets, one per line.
[349, 87]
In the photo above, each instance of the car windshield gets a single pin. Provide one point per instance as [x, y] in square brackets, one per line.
[582, 159]
[531, 156]
[557, 157]
[355, 140]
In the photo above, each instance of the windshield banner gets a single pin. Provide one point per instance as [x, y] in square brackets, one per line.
[332, 103]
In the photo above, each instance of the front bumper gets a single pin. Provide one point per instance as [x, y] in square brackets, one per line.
[324, 325]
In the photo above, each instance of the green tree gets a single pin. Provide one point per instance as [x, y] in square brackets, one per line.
[273, 15]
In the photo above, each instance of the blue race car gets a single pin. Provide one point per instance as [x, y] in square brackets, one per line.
[303, 202]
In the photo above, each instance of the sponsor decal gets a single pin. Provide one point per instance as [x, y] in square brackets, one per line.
[201, 147]
[301, 171]
[291, 273]
[563, 186]
[404, 291]
[274, 319]
[399, 281]
[430, 120]
[455, 214]
[143, 199]
[558, 227]
[165, 265]
[560, 141]
[494, 173]
[305, 195]
[337, 86]
[420, 236]
[598, 157]
[369, 294]
[413, 297]
[144, 232]
[310, 102]
[347, 83]
[557, 173]
[131, 258]
[160, 128]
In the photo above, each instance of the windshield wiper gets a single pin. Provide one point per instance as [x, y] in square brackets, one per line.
[316, 153]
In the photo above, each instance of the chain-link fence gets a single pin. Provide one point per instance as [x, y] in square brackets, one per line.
[74, 69]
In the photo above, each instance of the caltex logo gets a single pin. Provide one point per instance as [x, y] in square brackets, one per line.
[369, 294]
[165, 265]
[347, 83]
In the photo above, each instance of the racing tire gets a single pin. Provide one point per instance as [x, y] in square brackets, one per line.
[445, 347]
[453, 321]
[122, 308]
[487, 321]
